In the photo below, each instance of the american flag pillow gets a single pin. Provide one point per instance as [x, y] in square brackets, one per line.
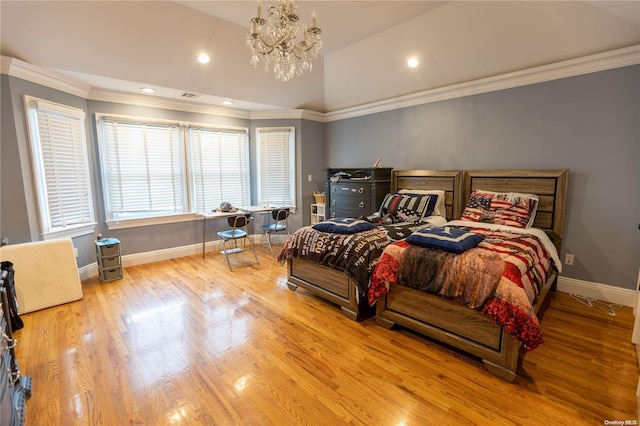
[507, 208]
[407, 207]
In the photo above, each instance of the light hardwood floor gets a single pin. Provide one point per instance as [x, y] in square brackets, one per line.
[186, 342]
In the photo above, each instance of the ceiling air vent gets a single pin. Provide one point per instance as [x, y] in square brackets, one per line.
[189, 95]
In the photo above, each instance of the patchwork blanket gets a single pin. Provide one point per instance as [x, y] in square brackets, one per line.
[501, 277]
[355, 254]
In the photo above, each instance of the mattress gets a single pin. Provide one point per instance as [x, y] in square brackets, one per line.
[46, 273]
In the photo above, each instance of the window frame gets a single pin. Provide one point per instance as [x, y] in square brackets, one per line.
[292, 165]
[245, 199]
[45, 186]
[187, 169]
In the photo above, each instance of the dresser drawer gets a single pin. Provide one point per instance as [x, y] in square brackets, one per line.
[110, 274]
[351, 204]
[108, 262]
[350, 189]
[348, 213]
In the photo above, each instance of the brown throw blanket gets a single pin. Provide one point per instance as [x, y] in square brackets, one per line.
[523, 259]
[447, 274]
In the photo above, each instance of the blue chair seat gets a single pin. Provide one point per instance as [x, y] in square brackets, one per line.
[238, 231]
[231, 234]
[274, 227]
[280, 223]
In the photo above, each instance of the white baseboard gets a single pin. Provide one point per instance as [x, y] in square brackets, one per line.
[156, 256]
[146, 257]
[604, 292]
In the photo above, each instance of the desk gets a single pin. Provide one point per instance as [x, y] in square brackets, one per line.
[224, 215]
[267, 210]
[263, 209]
[214, 215]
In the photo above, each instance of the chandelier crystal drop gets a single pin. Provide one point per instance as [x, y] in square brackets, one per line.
[282, 40]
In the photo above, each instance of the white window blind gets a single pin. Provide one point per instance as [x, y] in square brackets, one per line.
[220, 167]
[61, 168]
[144, 169]
[276, 166]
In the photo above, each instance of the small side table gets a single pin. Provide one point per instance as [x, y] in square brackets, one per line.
[109, 259]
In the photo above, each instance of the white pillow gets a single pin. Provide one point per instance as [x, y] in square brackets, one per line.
[440, 209]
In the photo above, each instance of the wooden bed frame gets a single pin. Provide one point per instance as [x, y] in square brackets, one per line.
[441, 319]
[336, 286]
[456, 324]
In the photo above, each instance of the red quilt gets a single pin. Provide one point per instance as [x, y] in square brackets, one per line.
[501, 277]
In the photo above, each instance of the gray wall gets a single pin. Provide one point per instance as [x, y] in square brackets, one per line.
[18, 207]
[589, 124]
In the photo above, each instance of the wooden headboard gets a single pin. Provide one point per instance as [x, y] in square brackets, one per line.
[551, 186]
[449, 181]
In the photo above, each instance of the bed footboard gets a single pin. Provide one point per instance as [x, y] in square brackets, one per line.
[454, 324]
[330, 284]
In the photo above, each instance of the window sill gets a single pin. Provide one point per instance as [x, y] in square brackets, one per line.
[76, 231]
[150, 221]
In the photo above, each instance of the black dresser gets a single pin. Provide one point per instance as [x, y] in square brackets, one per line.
[355, 192]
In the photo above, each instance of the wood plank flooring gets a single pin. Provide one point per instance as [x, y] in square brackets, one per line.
[186, 342]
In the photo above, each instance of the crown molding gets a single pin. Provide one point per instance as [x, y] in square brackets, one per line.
[588, 64]
[277, 114]
[303, 114]
[574, 67]
[164, 103]
[17, 68]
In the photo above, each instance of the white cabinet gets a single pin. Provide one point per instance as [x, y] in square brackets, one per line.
[317, 213]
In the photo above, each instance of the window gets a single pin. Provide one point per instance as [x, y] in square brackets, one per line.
[276, 166]
[158, 171]
[220, 163]
[143, 166]
[61, 168]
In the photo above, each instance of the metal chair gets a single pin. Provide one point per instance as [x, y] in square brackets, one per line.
[238, 231]
[280, 224]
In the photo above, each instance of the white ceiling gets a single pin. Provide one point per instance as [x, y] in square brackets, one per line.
[120, 46]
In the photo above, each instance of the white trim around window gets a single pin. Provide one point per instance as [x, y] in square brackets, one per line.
[60, 166]
[161, 171]
[275, 153]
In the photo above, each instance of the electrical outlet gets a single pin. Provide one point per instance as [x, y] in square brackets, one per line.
[310, 178]
[568, 259]
[75, 251]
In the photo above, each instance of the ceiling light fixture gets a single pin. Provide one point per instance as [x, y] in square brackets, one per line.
[147, 89]
[413, 62]
[203, 58]
[227, 103]
[275, 39]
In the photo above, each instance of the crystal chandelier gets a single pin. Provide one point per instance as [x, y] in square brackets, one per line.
[275, 40]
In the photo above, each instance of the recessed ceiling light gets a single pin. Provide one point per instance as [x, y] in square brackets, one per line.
[413, 62]
[203, 58]
[148, 90]
[227, 102]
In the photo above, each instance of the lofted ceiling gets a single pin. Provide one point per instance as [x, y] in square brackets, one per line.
[121, 46]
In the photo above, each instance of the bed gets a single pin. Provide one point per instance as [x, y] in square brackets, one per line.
[339, 283]
[455, 323]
